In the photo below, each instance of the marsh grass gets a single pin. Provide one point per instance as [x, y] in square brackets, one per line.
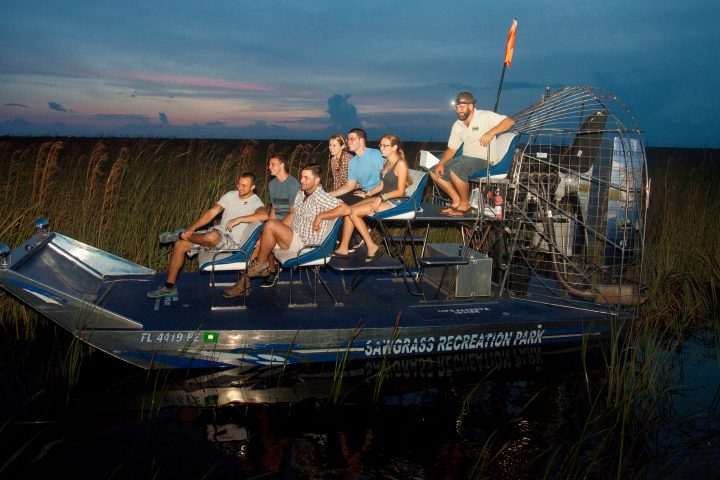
[341, 364]
[682, 248]
[119, 194]
[615, 430]
[385, 364]
[157, 383]
[9, 457]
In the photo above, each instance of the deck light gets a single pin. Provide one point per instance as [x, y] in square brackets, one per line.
[4, 254]
[42, 225]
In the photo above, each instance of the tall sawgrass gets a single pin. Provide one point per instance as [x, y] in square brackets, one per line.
[682, 249]
[118, 194]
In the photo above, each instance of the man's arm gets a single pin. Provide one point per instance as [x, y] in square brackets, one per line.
[501, 127]
[289, 217]
[204, 219]
[260, 215]
[340, 211]
[348, 187]
[287, 220]
[440, 167]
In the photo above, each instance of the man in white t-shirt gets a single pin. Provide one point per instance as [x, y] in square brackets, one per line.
[475, 131]
[238, 207]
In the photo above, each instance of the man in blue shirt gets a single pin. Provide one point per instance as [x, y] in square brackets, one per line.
[364, 171]
[363, 176]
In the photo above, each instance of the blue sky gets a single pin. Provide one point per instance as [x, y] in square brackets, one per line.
[304, 70]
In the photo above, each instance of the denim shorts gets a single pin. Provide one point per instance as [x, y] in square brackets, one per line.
[463, 167]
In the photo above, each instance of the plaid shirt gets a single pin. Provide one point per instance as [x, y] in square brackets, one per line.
[339, 168]
[306, 209]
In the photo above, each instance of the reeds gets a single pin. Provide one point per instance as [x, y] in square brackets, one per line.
[682, 249]
[94, 174]
[118, 194]
[111, 193]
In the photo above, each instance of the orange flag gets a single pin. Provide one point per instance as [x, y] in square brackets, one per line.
[510, 43]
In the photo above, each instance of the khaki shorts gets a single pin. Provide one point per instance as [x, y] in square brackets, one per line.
[226, 239]
[292, 251]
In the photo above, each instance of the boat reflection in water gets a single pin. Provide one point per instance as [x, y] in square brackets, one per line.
[517, 413]
[370, 380]
[427, 416]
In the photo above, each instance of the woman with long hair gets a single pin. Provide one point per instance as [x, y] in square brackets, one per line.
[395, 179]
[339, 160]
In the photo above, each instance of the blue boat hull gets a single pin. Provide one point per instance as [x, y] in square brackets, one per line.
[379, 319]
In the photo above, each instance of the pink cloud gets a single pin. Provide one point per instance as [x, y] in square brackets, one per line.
[197, 81]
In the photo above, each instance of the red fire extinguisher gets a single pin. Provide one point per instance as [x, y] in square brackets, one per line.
[498, 201]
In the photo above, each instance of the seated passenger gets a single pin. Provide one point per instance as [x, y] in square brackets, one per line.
[474, 130]
[394, 181]
[363, 175]
[339, 160]
[301, 227]
[282, 191]
[238, 207]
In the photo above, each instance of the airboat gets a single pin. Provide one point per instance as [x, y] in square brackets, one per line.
[550, 256]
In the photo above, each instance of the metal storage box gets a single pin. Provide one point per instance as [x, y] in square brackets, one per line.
[473, 279]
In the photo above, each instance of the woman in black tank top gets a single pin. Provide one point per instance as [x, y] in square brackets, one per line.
[395, 180]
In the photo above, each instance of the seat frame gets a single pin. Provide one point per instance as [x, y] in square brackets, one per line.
[315, 257]
[405, 210]
[238, 260]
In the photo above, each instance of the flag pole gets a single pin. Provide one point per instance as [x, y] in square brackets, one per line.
[509, 48]
[502, 77]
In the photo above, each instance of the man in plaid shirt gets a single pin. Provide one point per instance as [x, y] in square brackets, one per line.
[300, 227]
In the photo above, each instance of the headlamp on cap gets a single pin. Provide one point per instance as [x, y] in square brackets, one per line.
[463, 98]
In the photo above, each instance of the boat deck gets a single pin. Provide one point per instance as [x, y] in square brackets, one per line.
[379, 300]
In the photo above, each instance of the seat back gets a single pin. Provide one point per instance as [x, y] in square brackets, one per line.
[238, 258]
[313, 254]
[506, 142]
[406, 207]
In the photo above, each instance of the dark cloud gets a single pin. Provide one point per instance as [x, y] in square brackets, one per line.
[15, 105]
[343, 114]
[215, 124]
[57, 107]
[163, 118]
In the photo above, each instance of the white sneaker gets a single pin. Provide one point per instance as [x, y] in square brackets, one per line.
[163, 292]
[171, 237]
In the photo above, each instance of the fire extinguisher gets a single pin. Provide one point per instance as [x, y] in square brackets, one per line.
[498, 201]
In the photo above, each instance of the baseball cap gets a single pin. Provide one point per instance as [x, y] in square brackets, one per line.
[464, 97]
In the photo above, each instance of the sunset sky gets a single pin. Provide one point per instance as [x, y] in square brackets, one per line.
[304, 70]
